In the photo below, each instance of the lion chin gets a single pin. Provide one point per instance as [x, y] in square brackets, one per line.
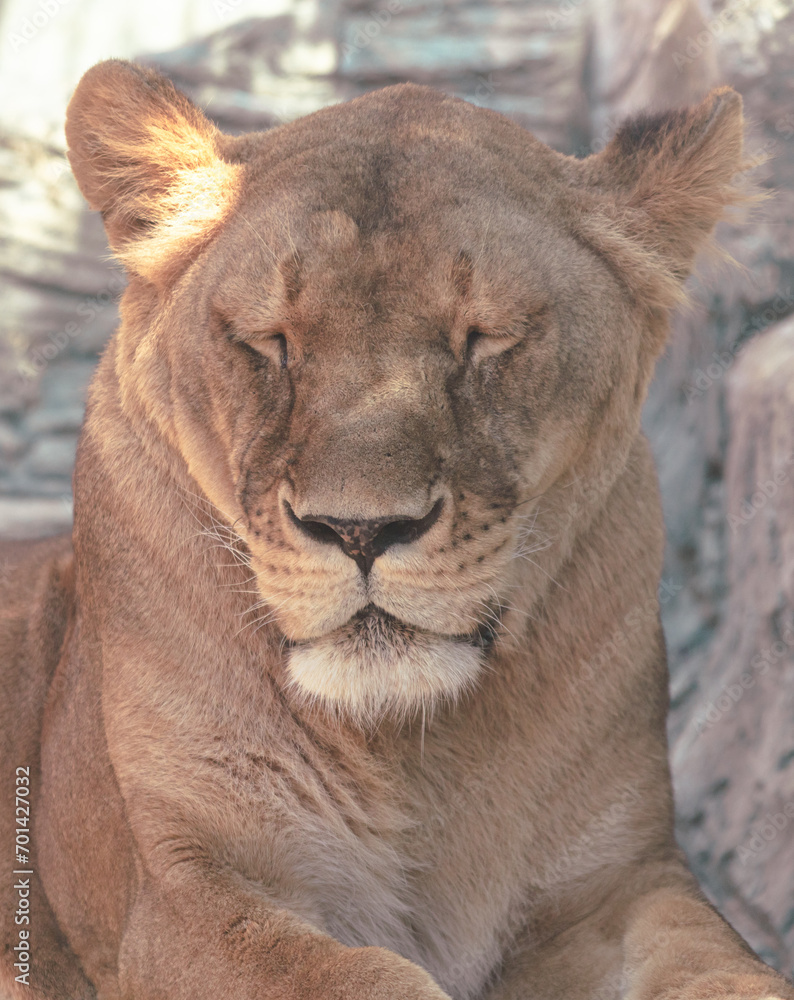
[376, 666]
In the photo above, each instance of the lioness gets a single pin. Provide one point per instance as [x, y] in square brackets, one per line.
[360, 495]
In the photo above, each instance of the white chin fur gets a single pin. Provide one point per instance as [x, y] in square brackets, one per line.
[369, 672]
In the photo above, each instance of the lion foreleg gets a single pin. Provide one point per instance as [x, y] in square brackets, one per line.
[200, 935]
[655, 937]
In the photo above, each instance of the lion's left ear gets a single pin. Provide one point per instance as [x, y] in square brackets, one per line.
[663, 183]
[151, 163]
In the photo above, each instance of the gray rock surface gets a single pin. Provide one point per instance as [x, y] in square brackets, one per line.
[734, 759]
[719, 418]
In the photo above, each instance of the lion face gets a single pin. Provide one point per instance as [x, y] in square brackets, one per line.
[400, 394]
[396, 337]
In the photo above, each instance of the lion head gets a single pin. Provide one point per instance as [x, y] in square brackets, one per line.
[394, 343]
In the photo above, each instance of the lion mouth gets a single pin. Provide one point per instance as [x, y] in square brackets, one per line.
[377, 630]
[378, 625]
[377, 665]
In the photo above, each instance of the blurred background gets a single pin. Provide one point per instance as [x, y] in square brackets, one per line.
[721, 411]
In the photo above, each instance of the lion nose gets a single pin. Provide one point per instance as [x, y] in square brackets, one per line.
[365, 540]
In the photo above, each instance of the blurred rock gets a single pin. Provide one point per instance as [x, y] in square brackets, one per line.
[527, 60]
[734, 762]
[51, 456]
[34, 516]
[712, 402]
[640, 58]
[60, 295]
[258, 72]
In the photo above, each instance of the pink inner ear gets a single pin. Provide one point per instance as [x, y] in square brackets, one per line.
[145, 156]
[660, 187]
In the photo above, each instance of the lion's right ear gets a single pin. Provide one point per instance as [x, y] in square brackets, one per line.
[664, 182]
[151, 163]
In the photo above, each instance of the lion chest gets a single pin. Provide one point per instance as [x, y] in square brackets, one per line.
[356, 859]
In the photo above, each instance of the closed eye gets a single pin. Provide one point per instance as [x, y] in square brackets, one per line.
[473, 336]
[278, 344]
[271, 346]
[480, 345]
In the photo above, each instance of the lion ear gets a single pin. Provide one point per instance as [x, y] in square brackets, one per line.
[666, 180]
[151, 163]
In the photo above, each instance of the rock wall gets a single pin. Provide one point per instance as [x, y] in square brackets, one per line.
[734, 756]
[720, 411]
[721, 421]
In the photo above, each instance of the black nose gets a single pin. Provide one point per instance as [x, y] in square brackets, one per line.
[364, 541]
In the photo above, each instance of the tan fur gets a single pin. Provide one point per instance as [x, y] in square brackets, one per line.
[251, 783]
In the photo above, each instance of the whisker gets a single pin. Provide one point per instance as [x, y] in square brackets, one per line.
[259, 237]
[496, 620]
[545, 573]
[263, 619]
